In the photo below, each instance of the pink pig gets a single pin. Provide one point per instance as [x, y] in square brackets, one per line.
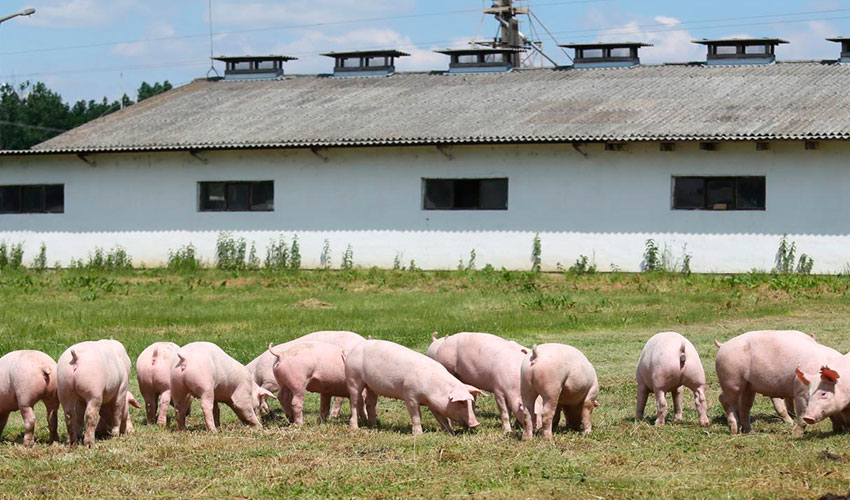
[668, 363]
[262, 367]
[566, 380]
[827, 393]
[203, 370]
[488, 362]
[764, 362]
[153, 371]
[388, 369]
[308, 366]
[93, 377]
[27, 377]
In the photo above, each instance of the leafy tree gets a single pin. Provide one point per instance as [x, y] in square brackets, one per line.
[147, 91]
[32, 113]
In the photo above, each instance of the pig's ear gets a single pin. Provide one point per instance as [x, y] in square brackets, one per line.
[802, 376]
[829, 375]
[473, 390]
[524, 350]
[459, 394]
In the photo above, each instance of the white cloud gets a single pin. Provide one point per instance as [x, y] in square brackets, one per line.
[157, 29]
[295, 12]
[809, 42]
[670, 43]
[74, 14]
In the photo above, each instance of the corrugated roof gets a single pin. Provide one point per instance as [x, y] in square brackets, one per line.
[809, 100]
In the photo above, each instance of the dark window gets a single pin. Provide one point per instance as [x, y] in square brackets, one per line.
[236, 196]
[466, 194]
[719, 193]
[49, 199]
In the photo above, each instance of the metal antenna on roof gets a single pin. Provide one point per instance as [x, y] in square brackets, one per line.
[212, 69]
[510, 36]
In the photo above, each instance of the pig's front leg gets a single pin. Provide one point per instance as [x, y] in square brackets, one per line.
[337, 407]
[4, 417]
[52, 419]
[415, 416]
[324, 407]
[444, 422]
[800, 405]
[217, 415]
[781, 409]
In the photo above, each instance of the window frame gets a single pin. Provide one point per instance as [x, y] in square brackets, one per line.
[43, 188]
[454, 207]
[226, 185]
[705, 180]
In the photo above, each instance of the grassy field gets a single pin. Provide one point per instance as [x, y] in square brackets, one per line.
[609, 317]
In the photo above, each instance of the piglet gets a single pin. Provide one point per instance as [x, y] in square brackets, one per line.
[308, 366]
[27, 377]
[566, 380]
[668, 363]
[93, 377]
[203, 370]
[153, 371]
[827, 393]
[388, 369]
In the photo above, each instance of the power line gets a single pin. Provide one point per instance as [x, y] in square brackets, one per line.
[25, 125]
[273, 28]
[419, 44]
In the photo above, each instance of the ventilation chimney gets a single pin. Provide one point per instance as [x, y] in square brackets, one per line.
[606, 55]
[845, 48]
[253, 67]
[480, 59]
[365, 62]
[741, 50]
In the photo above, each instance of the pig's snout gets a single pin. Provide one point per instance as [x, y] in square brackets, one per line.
[809, 420]
[473, 423]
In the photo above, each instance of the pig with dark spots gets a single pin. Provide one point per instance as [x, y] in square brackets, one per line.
[391, 370]
[27, 377]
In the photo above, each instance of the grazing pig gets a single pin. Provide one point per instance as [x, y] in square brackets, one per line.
[308, 366]
[764, 362]
[565, 379]
[827, 393]
[388, 369]
[93, 378]
[488, 362]
[27, 377]
[153, 371]
[668, 363]
[203, 370]
[261, 367]
[106, 416]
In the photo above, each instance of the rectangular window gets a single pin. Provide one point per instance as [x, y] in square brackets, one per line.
[467, 59]
[592, 54]
[246, 196]
[726, 49]
[36, 199]
[621, 52]
[465, 194]
[719, 193]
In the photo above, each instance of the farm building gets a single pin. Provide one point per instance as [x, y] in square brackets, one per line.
[716, 159]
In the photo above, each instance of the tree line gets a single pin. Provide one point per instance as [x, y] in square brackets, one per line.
[32, 113]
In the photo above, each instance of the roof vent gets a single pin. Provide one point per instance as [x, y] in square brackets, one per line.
[253, 67]
[845, 47]
[365, 62]
[480, 59]
[741, 50]
[606, 55]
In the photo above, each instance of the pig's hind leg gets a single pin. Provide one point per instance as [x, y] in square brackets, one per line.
[678, 397]
[661, 403]
[745, 404]
[4, 417]
[642, 396]
[29, 425]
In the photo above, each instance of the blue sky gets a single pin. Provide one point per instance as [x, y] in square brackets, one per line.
[91, 48]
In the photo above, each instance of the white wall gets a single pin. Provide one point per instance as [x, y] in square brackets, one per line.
[605, 205]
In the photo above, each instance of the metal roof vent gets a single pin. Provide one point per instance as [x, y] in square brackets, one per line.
[741, 50]
[480, 59]
[845, 48]
[253, 67]
[365, 62]
[605, 54]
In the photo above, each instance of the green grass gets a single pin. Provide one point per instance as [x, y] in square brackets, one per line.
[609, 317]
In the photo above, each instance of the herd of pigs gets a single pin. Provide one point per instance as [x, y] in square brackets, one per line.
[91, 381]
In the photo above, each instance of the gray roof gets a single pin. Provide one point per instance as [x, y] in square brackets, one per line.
[801, 101]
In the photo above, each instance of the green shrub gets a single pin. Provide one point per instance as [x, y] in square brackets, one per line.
[184, 259]
[40, 261]
[230, 252]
